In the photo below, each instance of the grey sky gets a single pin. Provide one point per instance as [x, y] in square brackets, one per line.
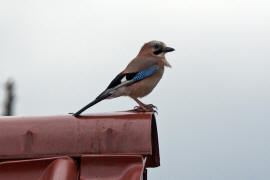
[213, 104]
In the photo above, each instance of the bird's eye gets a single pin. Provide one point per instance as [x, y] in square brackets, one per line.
[156, 46]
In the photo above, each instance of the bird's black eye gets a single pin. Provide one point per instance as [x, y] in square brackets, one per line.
[156, 46]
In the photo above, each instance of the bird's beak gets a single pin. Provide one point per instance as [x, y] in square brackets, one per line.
[167, 49]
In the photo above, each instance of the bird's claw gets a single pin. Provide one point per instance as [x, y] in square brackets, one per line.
[146, 108]
[152, 106]
[138, 109]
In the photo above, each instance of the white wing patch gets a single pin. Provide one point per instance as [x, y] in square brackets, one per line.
[124, 79]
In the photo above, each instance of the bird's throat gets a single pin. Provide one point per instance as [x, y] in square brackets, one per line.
[166, 63]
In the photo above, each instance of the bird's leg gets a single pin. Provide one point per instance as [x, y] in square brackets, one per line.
[144, 107]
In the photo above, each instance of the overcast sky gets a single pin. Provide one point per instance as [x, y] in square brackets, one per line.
[213, 119]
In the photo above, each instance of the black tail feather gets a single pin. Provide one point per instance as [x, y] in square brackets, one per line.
[98, 99]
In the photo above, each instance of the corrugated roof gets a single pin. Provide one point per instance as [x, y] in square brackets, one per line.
[121, 133]
[88, 167]
[58, 168]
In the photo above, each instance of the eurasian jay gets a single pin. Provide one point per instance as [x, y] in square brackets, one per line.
[139, 78]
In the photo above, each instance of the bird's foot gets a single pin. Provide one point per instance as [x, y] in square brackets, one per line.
[151, 106]
[146, 108]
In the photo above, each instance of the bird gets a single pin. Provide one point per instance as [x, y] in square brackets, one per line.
[139, 77]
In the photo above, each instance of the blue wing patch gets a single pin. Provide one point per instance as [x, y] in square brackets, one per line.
[145, 73]
[132, 77]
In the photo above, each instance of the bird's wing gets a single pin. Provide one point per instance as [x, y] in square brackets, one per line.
[132, 77]
[127, 79]
[121, 77]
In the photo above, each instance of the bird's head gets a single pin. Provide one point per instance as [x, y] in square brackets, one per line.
[156, 49]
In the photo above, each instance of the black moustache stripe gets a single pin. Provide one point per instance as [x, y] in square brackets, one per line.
[158, 52]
